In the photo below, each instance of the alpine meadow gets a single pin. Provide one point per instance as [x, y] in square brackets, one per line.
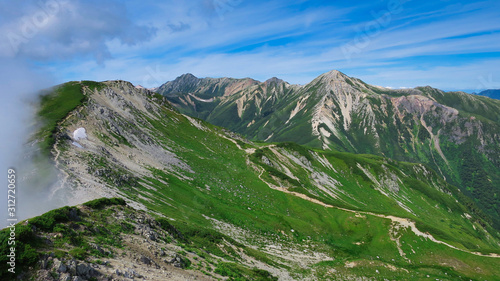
[237, 140]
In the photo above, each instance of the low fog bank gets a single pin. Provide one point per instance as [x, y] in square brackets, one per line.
[36, 176]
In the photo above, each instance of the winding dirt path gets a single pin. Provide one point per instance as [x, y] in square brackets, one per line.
[403, 222]
[57, 165]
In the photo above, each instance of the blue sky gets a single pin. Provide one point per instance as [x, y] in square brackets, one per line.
[446, 44]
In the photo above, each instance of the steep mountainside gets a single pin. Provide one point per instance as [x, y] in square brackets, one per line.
[222, 206]
[227, 101]
[455, 133]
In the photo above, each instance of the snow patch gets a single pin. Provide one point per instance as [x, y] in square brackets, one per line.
[79, 134]
[77, 144]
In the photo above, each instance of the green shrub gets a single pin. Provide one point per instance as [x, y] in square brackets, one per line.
[299, 148]
[78, 253]
[28, 255]
[104, 202]
[238, 272]
[93, 85]
[48, 220]
[167, 226]
[194, 235]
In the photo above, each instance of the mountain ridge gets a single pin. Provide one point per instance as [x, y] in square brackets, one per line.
[491, 93]
[233, 208]
[335, 111]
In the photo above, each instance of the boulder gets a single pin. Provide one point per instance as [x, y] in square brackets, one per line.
[179, 261]
[59, 266]
[65, 277]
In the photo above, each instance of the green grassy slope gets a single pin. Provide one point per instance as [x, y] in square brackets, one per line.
[96, 233]
[55, 105]
[273, 196]
[462, 145]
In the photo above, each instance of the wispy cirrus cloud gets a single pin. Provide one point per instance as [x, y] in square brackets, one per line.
[296, 40]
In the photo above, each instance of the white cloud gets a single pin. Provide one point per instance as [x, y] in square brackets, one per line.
[296, 46]
[472, 76]
[64, 30]
[20, 86]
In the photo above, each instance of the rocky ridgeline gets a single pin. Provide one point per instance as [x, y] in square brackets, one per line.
[141, 250]
[53, 268]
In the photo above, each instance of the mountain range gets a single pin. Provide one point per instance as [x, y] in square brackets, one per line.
[454, 133]
[492, 93]
[236, 179]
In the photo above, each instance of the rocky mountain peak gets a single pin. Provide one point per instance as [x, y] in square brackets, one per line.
[334, 75]
[333, 80]
[185, 82]
[186, 77]
[274, 80]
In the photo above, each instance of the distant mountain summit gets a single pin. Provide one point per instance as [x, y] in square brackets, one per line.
[492, 93]
[455, 133]
[213, 87]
